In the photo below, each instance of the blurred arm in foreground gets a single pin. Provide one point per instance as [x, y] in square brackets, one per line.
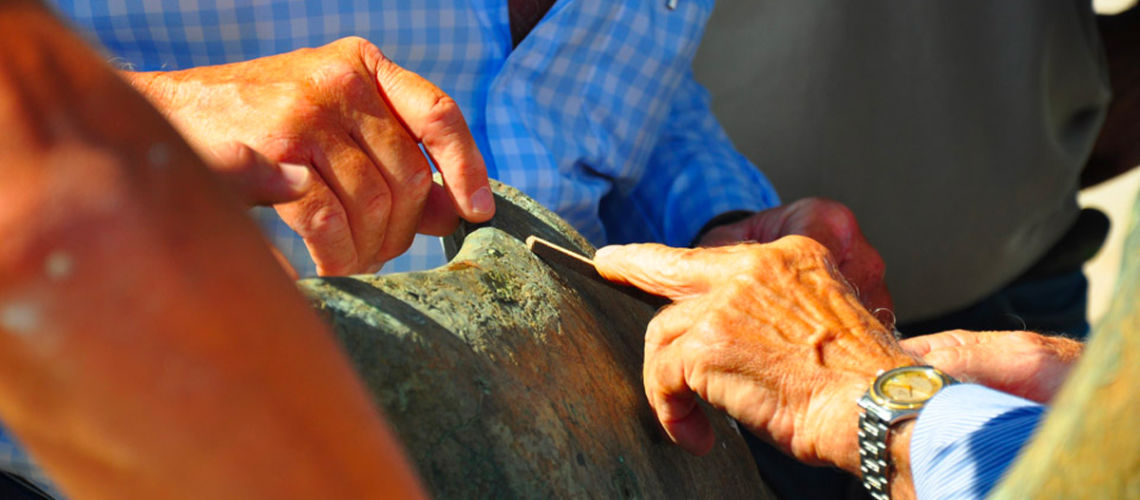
[146, 333]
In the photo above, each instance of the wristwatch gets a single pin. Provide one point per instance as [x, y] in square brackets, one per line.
[895, 396]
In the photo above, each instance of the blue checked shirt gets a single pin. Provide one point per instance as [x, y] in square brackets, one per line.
[597, 102]
[595, 114]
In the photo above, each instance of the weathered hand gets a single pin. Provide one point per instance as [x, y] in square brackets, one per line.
[1025, 364]
[357, 119]
[831, 224]
[145, 332]
[769, 332]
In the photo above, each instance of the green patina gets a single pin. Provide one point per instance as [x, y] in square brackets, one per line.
[506, 379]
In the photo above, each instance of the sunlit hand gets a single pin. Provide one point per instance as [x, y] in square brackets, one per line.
[831, 224]
[1024, 364]
[357, 120]
[769, 332]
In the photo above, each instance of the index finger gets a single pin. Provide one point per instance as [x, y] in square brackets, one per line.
[434, 120]
[676, 273]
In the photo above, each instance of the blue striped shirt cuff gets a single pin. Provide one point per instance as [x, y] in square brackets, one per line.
[965, 439]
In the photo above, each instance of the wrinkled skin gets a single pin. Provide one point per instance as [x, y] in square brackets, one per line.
[831, 224]
[774, 335]
[357, 120]
[150, 347]
[771, 333]
[1025, 364]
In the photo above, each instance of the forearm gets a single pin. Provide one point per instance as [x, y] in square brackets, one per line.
[132, 363]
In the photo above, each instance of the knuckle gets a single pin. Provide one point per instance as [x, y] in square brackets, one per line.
[443, 119]
[324, 220]
[288, 148]
[360, 51]
[832, 211]
[655, 332]
[835, 209]
[342, 78]
[354, 86]
[354, 40]
[700, 359]
[419, 183]
[369, 52]
[377, 204]
[756, 258]
[713, 329]
[835, 217]
[319, 229]
[236, 155]
[805, 246]
[348, 44]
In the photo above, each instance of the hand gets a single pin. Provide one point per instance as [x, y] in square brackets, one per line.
[357, 120]
[1024, 364]
[833, 225]
[145, 332]
[769, 332]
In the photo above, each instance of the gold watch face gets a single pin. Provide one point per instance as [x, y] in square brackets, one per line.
[909, 386]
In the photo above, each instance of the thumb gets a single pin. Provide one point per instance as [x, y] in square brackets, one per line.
[972, 362]
[675, 273]
[254, 178]
[924, 344]
[951, 360]
[917, 346]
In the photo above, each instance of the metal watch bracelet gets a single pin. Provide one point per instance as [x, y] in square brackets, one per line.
[874, 456]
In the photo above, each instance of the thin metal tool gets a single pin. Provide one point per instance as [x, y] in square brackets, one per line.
[561, 257]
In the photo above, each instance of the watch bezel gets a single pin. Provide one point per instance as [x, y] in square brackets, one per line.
[876, 393]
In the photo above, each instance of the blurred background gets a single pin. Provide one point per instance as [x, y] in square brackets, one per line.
[1114, 198]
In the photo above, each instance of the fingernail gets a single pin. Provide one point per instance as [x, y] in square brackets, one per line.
[296, 176]
[604, 251]
[483, 202]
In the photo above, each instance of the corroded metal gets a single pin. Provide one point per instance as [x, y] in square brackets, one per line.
[507, 379]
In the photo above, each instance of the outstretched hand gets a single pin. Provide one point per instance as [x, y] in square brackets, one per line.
[357, 120]
[768, 332]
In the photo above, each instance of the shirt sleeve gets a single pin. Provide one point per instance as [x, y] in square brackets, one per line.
[966, 438]
[693, 174]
